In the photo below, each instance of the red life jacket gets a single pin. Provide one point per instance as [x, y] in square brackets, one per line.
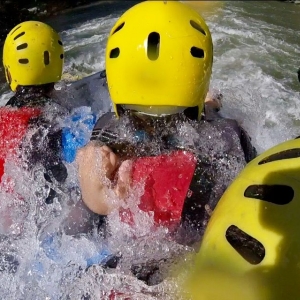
[13, 126]
[166, 180]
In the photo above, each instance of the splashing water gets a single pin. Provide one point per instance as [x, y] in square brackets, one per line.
[255, 59]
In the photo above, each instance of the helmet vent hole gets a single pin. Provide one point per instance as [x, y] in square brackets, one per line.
[245, 245]
[118, 28]
[15, 30]
[46, 58]
[19, 35]
[60, 42]
[153, 46]
[287, 154]
[197, 52]
[61, 56]
[23, 61]
[22, 46]
[277, 194]
[114, 53]
[197, 27]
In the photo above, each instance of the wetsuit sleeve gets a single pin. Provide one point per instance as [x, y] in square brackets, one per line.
[101, 131]
[230, 126]
[106, 133]
[249, 150]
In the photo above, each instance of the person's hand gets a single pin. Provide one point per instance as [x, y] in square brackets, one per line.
[97, 166]
[109, 160]
[124, 179]
[95, 162]
[214, 100]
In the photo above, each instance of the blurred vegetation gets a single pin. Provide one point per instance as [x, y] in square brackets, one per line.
[12, 12]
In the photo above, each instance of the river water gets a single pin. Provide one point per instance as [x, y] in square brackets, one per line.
[256, 57]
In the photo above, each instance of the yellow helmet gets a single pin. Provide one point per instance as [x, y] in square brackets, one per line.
[159, 55]
[252, 242]
[33, 54]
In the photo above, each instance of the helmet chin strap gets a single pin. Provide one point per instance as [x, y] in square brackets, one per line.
[150, 115]
[155, 111]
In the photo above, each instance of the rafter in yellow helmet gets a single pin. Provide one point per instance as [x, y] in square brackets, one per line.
[33, 54]
[159, 53]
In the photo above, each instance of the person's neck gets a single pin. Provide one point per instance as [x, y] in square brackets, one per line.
[43, 90]
[152, 124]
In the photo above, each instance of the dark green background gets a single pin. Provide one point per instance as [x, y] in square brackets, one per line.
[15, 11]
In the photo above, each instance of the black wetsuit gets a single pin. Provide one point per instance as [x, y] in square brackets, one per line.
[44, 146]
[221, 146]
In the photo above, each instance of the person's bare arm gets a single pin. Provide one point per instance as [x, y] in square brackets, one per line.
[96, 166]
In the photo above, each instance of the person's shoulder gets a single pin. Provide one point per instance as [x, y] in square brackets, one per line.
[14, 102]
[104, 120]
[218, 123]
[223, 122]
[105, 124]
[233, 126]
